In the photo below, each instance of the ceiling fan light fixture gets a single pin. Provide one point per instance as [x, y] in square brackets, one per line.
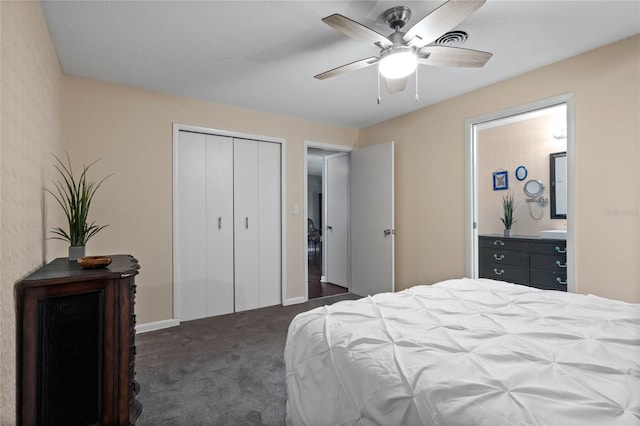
[398, 62]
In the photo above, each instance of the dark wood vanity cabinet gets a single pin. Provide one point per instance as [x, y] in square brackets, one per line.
[531, 261]
[76, 345]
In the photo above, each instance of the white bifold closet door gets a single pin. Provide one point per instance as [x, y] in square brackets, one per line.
[228, 225]
[256, 167]
[219, 225]
[204, 220]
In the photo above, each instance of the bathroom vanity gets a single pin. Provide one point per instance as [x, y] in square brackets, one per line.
[531, 261]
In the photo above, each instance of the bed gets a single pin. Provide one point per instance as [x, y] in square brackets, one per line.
[466, 352]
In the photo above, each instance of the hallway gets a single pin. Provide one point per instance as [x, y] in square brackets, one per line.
[317, 288]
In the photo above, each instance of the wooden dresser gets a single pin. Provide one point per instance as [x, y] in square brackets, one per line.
[532, 261]
[76, 345]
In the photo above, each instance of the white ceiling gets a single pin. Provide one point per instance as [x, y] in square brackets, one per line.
[263, 55]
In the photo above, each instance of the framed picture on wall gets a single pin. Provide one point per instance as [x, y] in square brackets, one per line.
[521, 173]
[500, 180]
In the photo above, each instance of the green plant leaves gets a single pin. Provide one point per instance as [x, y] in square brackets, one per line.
[508, 207]
[75, 196]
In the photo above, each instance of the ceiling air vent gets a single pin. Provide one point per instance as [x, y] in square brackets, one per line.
[452, 38]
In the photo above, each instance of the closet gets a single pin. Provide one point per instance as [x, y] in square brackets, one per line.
[227, 219]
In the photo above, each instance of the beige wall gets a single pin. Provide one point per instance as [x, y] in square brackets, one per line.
[30, 117]
[130, 130]
[505, 147]
[430, 186]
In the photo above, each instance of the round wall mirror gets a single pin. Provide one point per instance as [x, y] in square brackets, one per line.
[533, 188]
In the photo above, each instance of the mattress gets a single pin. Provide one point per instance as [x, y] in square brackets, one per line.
[466, 352]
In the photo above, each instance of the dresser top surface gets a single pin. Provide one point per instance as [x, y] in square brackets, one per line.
[520, 237]
[122, 265]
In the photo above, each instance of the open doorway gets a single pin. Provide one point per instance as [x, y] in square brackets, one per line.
[508, 152]
[327, 221]
[359, 236]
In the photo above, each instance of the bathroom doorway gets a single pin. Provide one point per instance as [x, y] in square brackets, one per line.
[505, 151]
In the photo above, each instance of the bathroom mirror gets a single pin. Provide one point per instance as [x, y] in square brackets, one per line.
[533, 188]
[558, 179]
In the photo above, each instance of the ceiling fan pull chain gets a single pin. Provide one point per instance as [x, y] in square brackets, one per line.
[417, 97]
[379, 98]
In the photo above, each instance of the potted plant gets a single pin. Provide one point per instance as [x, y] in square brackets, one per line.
[75, 196]
[508, 207]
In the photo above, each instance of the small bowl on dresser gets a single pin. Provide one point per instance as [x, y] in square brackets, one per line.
[94, 262]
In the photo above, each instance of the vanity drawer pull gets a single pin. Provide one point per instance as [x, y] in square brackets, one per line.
[498, 243]
[559, 281]
[500, 272]
[561, 265]
[496, 257]
[561, 250]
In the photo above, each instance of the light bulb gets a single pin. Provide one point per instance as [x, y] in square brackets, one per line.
[398, 62]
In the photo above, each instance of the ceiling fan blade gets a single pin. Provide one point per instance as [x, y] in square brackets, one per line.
[395, 85]
[441, 20]
[354, 29]
[362, 63]
[452, 56]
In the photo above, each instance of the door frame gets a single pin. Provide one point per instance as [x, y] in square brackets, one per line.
[177, 127]
[471, 178]
[305, 197]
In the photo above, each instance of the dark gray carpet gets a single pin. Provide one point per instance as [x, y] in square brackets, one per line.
[225, 370]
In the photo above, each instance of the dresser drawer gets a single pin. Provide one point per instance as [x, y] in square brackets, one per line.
[549, 262]
[551, 247]
[548, 280]
[507, 257]
[502, 272]
[501, 243]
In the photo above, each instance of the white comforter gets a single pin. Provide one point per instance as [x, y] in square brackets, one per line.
[466, 352]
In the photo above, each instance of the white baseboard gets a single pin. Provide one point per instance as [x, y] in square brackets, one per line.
[294, 301]
[158, 325]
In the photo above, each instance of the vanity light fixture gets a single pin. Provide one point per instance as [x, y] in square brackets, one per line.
[560, 133]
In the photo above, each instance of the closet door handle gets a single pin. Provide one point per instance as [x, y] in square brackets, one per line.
[219, 222]
[246, 222]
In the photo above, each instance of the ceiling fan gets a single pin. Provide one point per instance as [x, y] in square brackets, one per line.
[401, 52]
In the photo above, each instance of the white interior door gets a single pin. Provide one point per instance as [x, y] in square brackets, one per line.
[219, 225]
[372, 220]
[246, 225]
[336, 230]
